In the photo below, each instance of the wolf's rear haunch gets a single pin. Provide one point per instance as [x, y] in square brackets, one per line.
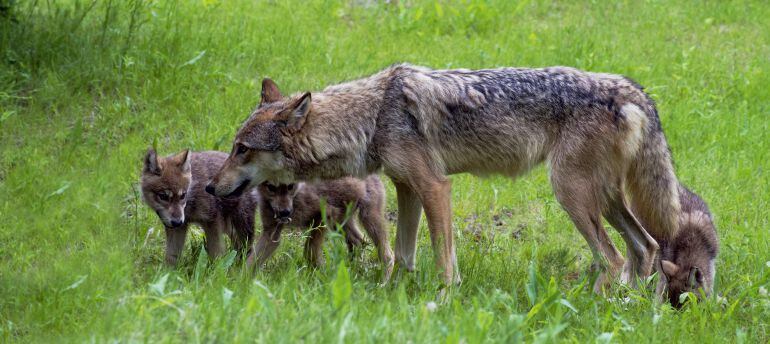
[600, 134]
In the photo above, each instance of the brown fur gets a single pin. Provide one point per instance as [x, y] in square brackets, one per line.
[299, 206]
[182, 177]
[688, 260]
[600, 134]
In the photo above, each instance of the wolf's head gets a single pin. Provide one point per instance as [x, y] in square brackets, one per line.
[280, 198]
[257, 154]
[165, 183]
[682, 279]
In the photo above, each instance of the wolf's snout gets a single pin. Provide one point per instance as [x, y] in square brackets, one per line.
[176, 222]
[210, 188]
[284, 213]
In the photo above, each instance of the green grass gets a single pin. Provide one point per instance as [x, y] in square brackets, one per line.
[86, 87]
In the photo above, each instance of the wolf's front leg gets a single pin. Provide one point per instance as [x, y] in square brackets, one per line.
[409, 211]
[175, 238]
[435, 194]
[265, 247]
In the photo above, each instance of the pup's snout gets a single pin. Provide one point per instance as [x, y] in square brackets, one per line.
[284, 213]
[176, 222]
[210, 188]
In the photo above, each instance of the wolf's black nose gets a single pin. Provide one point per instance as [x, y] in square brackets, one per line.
[284, 213]
[176, 223]
[210, 188]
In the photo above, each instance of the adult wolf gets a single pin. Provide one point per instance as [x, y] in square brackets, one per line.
[600, 134]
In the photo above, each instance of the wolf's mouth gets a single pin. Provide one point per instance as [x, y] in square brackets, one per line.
[240, 189]
[283, 219]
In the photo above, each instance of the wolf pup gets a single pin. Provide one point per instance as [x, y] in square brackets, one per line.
[299, 206]
[599, 133]
[174, 187]
[687, 260]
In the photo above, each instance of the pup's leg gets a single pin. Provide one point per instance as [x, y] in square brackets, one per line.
[175, 238]
[580, 196]
[409, 211]
[314, 247]
[243, 230]
[353, 237]
[372, 216]
[213, 242]
[266, 245]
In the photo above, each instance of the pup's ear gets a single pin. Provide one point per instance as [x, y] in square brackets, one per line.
[294, 115]
[270, 92]
[669, 268]
[695, 277]
[151, 162]
[183, 160]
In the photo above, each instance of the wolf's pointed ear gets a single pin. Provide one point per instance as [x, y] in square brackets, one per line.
[270, 92]
[294, 115]
[151, 162]
[669, 268]
[183, 160]
[695, 277]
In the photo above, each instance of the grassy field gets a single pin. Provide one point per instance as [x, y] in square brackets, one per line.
[86, 86]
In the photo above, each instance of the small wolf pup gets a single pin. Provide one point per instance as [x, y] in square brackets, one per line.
[600, 135]
[174, 188]
[687, 260]
[299, 205]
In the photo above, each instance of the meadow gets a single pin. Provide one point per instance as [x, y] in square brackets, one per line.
[87, 86]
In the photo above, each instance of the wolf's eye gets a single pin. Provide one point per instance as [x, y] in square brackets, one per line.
[183, 195]
[290, 187]
[163, 196]
[272, 188]
[241, 149]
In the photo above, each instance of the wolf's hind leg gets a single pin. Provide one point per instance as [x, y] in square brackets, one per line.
[580, 197]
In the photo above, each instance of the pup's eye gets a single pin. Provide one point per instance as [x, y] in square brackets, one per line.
[272, 188]
[183, 195]
[241, 149]
[163, 196]
[290, 187]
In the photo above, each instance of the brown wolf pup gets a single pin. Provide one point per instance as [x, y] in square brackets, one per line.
[299, 206]
[688, 259]
[599, 133]
[174, 188]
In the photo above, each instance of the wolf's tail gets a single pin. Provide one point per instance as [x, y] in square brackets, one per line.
[651, 180]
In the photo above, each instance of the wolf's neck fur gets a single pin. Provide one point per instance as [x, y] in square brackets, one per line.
[336, 136]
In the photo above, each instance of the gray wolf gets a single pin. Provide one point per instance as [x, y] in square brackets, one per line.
[298, 205]
[173, 187]
[599, 133]
[688, 259]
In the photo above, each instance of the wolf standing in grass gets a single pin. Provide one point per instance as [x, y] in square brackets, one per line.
[174, 188]
[599, 133]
